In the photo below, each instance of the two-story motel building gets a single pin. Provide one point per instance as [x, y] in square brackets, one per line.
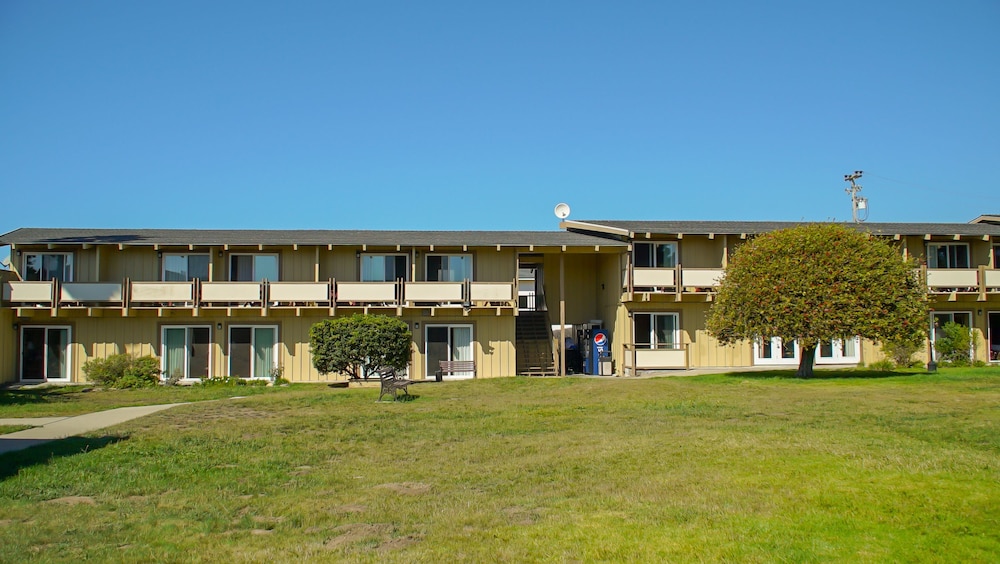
[241, 302]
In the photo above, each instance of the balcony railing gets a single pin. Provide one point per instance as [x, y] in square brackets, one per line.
[197, 294]
[954, 281]
[674, 280]
[638, 358]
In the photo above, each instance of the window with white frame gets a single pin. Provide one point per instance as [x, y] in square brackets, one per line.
[45, 353]
[947, 255]
[656, 330]
[43, 267]
[185, 351]
[185, 267]
[252, 350]
[654, 255]
[449, 268]
[253, 267]
[384, 268]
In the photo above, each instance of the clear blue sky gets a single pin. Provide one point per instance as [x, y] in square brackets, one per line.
[475, 115]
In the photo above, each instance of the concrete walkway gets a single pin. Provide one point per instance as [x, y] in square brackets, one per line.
[47, 429]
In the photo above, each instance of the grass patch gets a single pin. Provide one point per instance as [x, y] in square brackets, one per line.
[4, 429]
[54, 401]
[722, 467]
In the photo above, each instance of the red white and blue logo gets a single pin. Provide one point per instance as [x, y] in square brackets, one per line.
[600, 339]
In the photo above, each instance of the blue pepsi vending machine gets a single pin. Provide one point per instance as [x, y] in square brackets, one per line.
[600, 347]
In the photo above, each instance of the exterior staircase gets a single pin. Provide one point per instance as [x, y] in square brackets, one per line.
[534, 344]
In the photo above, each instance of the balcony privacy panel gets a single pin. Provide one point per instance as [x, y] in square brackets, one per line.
[91, 292]
[660, 358]
[492, 292]
[702, 277]
[366, 291]
[952, 278]
[433, 292]
[17, 291]
[992, 279]
[649, 277]
[230, 291]
[162, 291]
[299, 292]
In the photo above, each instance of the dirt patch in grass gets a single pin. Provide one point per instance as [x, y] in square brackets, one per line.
[347, 535]
[73, 500]
[407, 488]
[351, 508]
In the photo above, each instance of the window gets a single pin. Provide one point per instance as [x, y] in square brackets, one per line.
[43, 267]
[45, 353]
[449, 268]
[185, 352]
[656, 330]
[384, 268]
[185, 268]
[947, 255]
[655, 255]
[996, 256]
[253, 268]
[252, 351]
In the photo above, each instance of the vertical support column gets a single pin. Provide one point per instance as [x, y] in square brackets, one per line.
[316, 265]
[562, 313]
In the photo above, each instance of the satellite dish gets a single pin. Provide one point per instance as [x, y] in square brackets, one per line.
[562, 210]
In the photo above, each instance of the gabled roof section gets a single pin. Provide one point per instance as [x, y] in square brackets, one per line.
[216, 237]
[640, 229]
[993, 218]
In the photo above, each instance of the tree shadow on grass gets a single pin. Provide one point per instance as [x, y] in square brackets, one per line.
[43, 452]
[33, 396]
[823, 374]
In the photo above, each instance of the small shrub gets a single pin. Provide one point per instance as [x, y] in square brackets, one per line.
[900, 351]
[954, 344]
[884, 365]
[123, 371]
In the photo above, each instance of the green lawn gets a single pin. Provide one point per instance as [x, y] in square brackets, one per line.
[745, 467]
[59, 401]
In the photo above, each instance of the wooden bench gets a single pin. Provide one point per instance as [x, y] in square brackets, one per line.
[391, 384]
[452, 367]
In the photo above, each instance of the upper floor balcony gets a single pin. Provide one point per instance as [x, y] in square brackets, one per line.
[677, 281]
[466, 295]
[952, 282]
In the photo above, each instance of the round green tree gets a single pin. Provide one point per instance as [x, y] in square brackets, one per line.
[359, 345]
[818, 282]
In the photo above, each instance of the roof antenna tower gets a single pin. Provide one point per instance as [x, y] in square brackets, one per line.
[859, 204]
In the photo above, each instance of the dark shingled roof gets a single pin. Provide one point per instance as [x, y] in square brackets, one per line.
[752, 227]
[204, 237]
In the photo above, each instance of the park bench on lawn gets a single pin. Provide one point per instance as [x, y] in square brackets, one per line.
[452, 367]
[392, 383]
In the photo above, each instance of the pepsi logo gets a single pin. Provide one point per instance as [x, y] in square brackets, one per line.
[600, 339]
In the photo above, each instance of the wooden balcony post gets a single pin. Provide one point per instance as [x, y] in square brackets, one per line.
[982, 283]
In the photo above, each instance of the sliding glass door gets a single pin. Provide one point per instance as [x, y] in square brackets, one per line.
[185, 352]
[45, 353]
[252, 351]
[448, 342]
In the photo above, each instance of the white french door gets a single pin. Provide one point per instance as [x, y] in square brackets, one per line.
[774, 351]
